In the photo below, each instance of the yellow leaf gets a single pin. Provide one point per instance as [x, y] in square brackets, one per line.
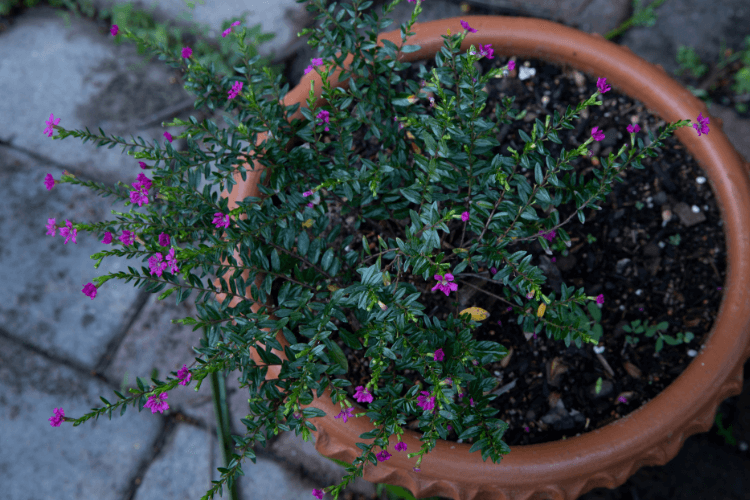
[541, 309]
[332, 288]
[477, 313]
[307, 223]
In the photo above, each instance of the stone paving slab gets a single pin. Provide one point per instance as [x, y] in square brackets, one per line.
[41, 302]
[94, 460]
[66, 350]
[80, 76]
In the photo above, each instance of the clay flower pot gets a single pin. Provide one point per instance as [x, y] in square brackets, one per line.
[651, 435]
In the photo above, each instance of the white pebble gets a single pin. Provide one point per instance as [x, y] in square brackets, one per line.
[695, 209]
[598, 349]
[743, 446]
[692, 353]
[638, 292]
[525, 73]
[700, 180]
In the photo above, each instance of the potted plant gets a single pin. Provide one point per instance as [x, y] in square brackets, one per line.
[281, 340]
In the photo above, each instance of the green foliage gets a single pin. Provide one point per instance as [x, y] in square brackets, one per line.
[725, 433]
[206, 49]
[323, 286]
[690, 61]
[636, 328]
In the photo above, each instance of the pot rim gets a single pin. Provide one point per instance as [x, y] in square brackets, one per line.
[654, 433]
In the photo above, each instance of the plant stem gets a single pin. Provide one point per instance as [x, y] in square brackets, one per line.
[219, 396]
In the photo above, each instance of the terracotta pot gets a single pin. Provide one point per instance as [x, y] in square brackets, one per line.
[651, 435]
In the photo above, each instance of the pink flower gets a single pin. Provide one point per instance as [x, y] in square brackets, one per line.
[127, 237]
[218, 220]
[187, 52]
[465, 216]
[549, 236]
[633, 129]
[383, 456]
[439, 355]
[172, 262]
[601, 84]
[168, 136]
[114, 29]
[597, 134]
[57, 419]
[444, 285]
[316, 61]
[703, 124]
[486, 51]
[68, 232]
[51, 227]
[318, 494]
[622, 399]
[467, 27]
[425, 401]
[400, 446]
[511, 65]
[236, 89]
[49, 182]
[307, 193]
[164, 239]
[362, 395]
[324, 115]
[89, 289]
[184, 375]
[229, 30]
[345, 414]
[157, 403]
[139, 196]
[51, 122]
[142, 165]
[156, 265]
[600, 299]
[107, 238]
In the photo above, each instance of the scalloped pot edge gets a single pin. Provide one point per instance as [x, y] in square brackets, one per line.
[651, 435]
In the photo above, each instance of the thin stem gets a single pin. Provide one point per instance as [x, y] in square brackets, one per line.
[219, 396]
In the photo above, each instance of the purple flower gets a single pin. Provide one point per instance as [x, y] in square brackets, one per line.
[57, 419]
[157, 403]
[89, 289]
[465, 216]
[633, 129]
[187, 52]
[444, 285]
[51, 122]
[114, 29]
[601, 84]
[345, 414]
[49, 182]
[597, 134]
[362, 395]
[467, 27]
[439, 355]
[703, 124]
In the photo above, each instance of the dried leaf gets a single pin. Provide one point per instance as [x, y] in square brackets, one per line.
[632, 370]
[477, 313]
[307, 223]
[504, 362]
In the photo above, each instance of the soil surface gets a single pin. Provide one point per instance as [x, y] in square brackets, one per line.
[655, 250]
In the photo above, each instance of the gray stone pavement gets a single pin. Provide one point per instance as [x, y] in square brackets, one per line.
[59, 348]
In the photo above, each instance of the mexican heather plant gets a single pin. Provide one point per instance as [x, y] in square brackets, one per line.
[447, 160]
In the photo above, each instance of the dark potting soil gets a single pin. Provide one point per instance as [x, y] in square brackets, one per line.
[656, 251]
